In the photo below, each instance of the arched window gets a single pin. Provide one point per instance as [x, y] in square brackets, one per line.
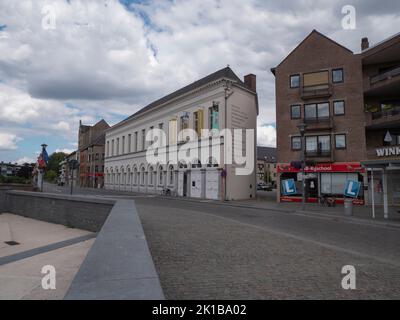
[142, 176]
[196, 164]
[171, 175]
[160, 175]
[212, 162]
[128, 180]
[182, 165]
[151, 180]
[122, 177]
[135, 176]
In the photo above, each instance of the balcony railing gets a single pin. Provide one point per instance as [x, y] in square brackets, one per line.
[323, 90]
[386, 75]
[317, 119]
[318, 153]
[386, 113]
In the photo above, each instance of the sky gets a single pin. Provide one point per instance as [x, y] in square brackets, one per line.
[63, 61]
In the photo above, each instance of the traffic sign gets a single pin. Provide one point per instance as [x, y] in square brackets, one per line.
[352, 188]
[289, 187]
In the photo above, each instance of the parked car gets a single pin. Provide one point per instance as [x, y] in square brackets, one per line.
[262, 186]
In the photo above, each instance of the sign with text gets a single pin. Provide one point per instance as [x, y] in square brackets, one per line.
[352, 188]
[288, 187]
[324, 167]
[388, 152]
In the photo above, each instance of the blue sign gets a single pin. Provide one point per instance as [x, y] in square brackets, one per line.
[288, 187]
[352, 188]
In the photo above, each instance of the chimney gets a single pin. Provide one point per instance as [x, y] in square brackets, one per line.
[364, 44]
[251, 81]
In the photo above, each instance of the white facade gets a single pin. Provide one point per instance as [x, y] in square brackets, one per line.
[222, 103]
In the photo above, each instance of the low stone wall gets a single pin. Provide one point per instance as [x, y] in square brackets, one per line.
[119, 265]
[4, 187]
[71, 211]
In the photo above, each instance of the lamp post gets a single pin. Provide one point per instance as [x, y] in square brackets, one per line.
[73, 164]
[302, 128]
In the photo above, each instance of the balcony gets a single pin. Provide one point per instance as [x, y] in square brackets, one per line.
[320, 123]
[383, 118]
[386, 113]
[319, 91]
[318, 153]
[385, 76]
[386, 84]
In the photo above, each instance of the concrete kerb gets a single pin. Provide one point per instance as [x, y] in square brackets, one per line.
[119, 264]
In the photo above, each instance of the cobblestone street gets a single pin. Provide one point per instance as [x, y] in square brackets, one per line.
[208, 250]
[201, 254]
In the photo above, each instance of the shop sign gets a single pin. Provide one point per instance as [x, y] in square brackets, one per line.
[288, 187]
[306, 176]
[325, 167]
[352, 188]
[388, 152]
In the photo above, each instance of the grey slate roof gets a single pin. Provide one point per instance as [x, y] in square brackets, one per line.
[223, 73]
[266, 153]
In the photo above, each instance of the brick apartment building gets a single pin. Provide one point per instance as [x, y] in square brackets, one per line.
[91, 147]
[381, 82]
[329, 88]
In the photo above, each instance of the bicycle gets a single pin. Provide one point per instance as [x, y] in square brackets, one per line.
[325, 200]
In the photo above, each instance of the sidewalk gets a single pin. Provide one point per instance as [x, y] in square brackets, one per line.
[360, 213]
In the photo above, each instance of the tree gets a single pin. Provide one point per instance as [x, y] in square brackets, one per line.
[50, 175]
[54, 161]
[25, 171]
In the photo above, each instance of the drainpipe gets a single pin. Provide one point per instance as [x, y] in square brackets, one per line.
[385, 194]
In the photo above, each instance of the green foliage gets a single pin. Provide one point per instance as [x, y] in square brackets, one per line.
[50, 176]
[16, 180]
[54, 161]
[25, 172]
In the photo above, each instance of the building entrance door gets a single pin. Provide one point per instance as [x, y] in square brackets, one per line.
[312, 188]
[185, 184]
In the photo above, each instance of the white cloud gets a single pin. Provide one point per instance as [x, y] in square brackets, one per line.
[8, 141]
[107, 62]
[65, 150]
[266, 136]
[62, 125]
[25, 160]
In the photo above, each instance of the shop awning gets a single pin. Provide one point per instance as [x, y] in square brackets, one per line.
[386, 163]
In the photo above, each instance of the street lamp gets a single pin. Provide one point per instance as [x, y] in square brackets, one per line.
[73, 164]
[302, 128]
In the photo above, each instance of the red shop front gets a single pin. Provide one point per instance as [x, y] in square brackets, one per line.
[322, 179]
